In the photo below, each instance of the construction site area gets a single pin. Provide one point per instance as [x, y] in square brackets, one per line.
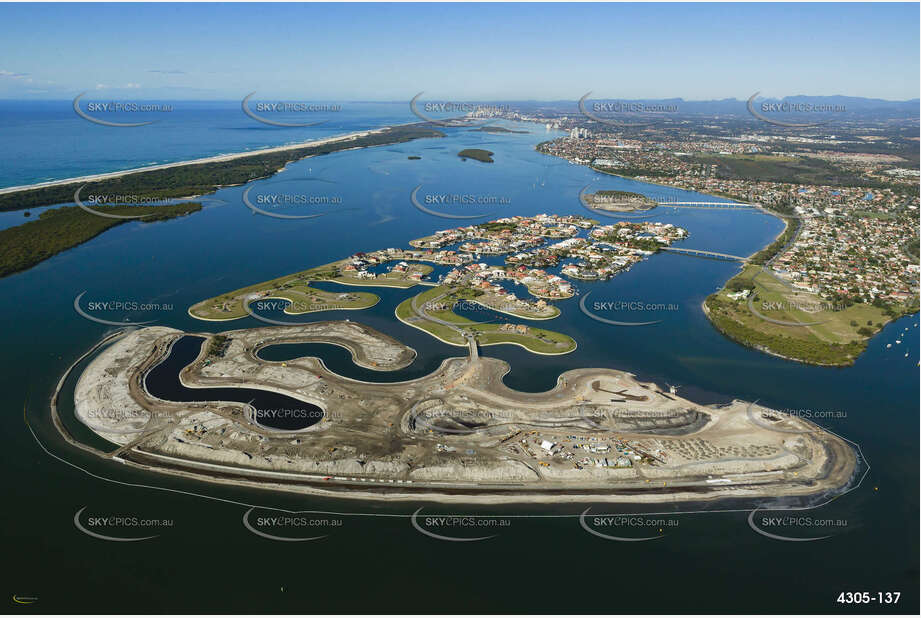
[458, 434]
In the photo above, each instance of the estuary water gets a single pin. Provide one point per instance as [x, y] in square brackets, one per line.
[268, 408]
[47, 140]
[704, 561]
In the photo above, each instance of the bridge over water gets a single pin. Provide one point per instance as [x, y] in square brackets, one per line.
[708, 205]
[468, 336]
[707, 254]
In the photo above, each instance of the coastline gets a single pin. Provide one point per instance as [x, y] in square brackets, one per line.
[787, 220]
[197, 177]
[763, 349]
[485, 345]
[203, 160]
[394, 485]
[285, 311]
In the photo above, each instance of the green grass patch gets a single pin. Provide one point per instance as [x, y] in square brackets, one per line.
[203, 178]
[778, 168]
[537, 340]
[302, 297]
[839, 338]
[305, 299]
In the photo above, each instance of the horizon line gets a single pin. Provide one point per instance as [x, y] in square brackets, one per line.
[484, 100]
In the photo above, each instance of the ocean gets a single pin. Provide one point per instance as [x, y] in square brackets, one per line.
[371, 558]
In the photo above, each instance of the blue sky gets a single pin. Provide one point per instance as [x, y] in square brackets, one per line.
[470, 51]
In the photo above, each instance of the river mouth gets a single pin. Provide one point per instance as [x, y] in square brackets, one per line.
[265, 408]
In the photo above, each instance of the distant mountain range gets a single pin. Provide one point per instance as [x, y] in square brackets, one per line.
[853, 105]
[862, 107]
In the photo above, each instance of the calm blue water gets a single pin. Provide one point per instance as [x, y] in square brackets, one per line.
[269, 408]
[47, 140]
[225, 247]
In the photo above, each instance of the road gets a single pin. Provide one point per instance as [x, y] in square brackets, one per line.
[469, 337]
[704, 253]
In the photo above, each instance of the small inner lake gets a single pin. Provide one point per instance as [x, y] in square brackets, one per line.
[270, 409]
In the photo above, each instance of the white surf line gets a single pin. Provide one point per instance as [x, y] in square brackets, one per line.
[212, 159]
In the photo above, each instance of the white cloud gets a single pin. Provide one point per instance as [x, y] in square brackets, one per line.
[13, 75]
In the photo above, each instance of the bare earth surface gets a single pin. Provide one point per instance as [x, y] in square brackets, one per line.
[458, 434]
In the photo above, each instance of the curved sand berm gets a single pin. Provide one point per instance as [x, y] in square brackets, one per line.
[102, 397]
[456, 435]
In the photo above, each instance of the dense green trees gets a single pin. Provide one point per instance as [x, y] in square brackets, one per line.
[203, 178]
[476, 153]
[774, 248]
[806, 350]
[59, 229]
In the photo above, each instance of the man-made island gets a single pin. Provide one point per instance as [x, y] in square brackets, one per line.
[619, 201]
[588, 251]
[193, 405]
[209, 406]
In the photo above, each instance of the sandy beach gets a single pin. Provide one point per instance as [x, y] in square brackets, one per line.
[214, 159]
[456, 435]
